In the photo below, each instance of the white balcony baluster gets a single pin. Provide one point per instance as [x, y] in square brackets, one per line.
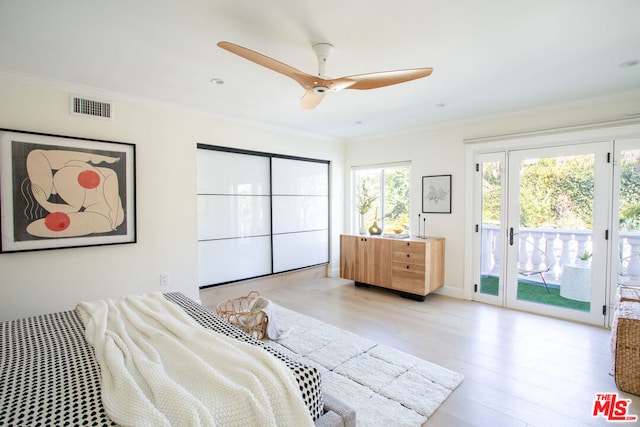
[562, 247]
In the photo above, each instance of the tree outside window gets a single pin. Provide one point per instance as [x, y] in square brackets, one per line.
[382, 194]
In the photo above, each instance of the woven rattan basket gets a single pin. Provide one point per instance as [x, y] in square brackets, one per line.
[237, 312]
[627, 373]
[626, 335]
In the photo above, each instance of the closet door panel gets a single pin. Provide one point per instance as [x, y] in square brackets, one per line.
[301, 177]
[296, 250]
[220, 172]
[233, 216]
[221, 261]
[300, 213]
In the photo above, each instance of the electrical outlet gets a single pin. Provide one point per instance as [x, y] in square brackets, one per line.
[164, 279]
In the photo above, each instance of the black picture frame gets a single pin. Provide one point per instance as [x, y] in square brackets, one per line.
[64, 192]
[436, 194]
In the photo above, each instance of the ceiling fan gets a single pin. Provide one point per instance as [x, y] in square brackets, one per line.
[317, 86]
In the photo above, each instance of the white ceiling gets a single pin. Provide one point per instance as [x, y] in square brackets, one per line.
[489, 57]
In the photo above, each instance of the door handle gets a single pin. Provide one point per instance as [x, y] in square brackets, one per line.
[511, 236]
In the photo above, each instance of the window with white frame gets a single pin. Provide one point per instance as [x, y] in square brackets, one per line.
[381, 196]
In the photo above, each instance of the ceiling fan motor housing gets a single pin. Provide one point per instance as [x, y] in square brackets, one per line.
[322, 50]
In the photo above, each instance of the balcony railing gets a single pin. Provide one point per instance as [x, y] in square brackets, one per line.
[561, 246]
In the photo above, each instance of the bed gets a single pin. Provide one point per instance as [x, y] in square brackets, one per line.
[49, 374]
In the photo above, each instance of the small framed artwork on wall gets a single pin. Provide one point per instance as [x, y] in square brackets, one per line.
[60, 192]
[436, 194]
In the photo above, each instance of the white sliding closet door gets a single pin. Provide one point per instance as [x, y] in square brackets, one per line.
[300, 213]
[234, 217]
[259, 214]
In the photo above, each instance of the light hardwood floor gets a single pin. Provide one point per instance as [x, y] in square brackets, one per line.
[520, 369]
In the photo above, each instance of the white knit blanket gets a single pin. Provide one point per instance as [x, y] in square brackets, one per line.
[159, 367]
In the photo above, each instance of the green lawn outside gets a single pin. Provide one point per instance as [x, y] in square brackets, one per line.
[535, 292]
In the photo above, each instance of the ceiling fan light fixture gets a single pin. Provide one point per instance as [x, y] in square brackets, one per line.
[320, 89]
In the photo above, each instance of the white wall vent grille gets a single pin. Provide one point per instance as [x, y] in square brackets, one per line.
[91, 107]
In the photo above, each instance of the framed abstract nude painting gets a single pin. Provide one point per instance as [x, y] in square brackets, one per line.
[436, 194]
[63, 192]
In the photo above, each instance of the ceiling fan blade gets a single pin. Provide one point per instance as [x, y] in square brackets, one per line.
[385, 78]
[311, 99]
[305, 80]
[317, 86]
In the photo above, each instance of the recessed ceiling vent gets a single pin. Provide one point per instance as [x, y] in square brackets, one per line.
[91, 107]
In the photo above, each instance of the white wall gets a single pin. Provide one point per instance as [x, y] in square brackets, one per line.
[441, 151]
[45, 281]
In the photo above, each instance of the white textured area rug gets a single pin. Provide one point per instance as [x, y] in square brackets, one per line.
[385, 386]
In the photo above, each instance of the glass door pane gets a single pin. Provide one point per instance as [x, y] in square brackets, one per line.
[556, 216]
[490, 245]
[557, 250]
[628, 211]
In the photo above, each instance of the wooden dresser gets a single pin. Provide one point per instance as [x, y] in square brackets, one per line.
[414, 267]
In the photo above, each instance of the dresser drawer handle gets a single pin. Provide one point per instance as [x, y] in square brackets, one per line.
[408, 255]
[407, 267]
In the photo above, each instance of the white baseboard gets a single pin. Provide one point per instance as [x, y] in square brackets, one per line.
[451, 291]
[333, 271]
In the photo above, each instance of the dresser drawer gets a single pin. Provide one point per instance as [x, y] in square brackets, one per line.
[405, 267]
[408, 279]
[404, 246]
[408, 258]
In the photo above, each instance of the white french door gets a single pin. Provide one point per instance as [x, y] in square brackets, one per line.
[490, 192]
[561, 244]
[625, 241]
[539, 212]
